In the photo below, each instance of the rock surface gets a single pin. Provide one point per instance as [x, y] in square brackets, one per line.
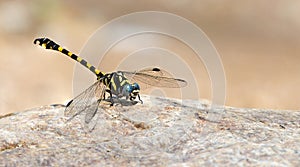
[161, 132]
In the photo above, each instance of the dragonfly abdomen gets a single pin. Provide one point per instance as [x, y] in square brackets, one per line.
[49, 44]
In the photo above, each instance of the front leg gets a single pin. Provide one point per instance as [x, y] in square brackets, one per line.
[140, 99]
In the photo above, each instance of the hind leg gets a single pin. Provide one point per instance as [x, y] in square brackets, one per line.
[111, 98]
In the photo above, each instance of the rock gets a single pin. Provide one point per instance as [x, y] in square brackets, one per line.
[160, 132]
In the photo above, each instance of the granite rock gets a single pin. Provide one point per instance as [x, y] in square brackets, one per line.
[160, 132]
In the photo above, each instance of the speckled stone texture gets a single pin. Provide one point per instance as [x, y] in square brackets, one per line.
[160, 132]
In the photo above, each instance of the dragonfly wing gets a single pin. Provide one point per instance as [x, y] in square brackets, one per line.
[155, 77]
[87, 101]
[91, 117]
[153, 71]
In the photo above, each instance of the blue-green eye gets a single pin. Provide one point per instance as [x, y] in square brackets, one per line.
[136, 86]
[129, 88]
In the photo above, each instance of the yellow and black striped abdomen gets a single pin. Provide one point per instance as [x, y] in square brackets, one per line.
[49, 44]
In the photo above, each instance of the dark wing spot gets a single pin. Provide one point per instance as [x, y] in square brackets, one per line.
[155, 69]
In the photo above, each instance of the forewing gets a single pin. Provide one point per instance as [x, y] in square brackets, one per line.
[155, 77]
[157, 81]
[86, 101]
[153, 71]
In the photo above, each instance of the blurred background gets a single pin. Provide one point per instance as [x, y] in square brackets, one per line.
[258, 42]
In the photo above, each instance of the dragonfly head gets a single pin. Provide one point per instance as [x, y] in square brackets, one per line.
[131, 90]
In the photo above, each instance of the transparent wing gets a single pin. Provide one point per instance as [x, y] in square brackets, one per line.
[153, 71]
[91, 112]
[88, 102]
[91, 117]
[155, 77]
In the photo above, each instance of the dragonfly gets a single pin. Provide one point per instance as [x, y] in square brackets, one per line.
[117, 84]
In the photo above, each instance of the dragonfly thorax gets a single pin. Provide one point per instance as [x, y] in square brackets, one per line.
[118, 85]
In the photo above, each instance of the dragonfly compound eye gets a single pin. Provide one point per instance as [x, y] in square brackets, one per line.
[129, 88]
[135, 86]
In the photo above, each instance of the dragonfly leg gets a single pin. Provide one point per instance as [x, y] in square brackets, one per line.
[140, 98]
[104, 97]
[108, 91]
[111, 99]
